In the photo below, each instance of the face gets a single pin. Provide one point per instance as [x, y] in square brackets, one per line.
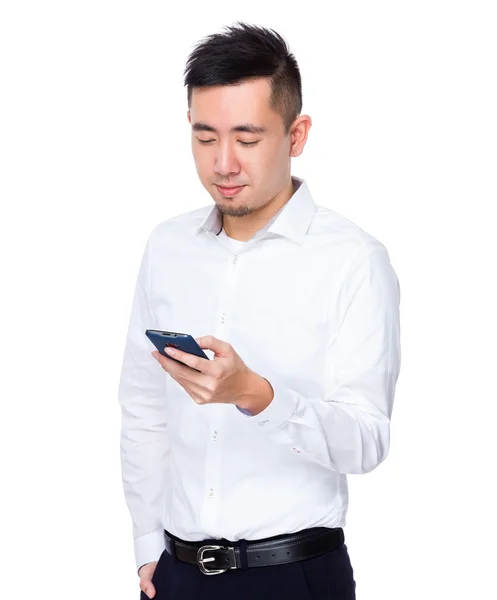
[257, 158]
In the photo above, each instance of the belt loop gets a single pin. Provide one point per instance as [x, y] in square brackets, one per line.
[173, 551]
[172, 545]
[243, 554]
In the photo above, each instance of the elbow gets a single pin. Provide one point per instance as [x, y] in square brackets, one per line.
[373, 445]
[370, 463]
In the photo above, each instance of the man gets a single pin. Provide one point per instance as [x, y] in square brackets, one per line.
[236, 466]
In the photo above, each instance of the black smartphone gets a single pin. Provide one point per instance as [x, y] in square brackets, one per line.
[182, 341]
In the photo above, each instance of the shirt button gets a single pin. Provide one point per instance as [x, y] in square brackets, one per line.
[214, 437]
[222, 318]
[235, 258]
[211, 493]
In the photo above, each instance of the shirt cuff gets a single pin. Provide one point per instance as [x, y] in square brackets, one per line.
[280, 409]
[149, 547]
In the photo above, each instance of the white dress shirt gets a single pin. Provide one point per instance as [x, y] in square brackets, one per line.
[311, 303]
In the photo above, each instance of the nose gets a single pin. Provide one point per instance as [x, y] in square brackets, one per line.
[226, 161]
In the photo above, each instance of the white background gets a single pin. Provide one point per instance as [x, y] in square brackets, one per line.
[95, 151]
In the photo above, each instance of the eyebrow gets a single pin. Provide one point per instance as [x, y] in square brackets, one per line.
[246, 127]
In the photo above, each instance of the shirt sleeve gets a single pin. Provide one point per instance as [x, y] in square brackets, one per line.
[348, 431]
[244, 411]
[144, 441]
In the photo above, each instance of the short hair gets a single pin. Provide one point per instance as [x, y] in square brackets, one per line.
[248, 52]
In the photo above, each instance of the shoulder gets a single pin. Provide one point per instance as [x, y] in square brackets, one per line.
[179, 225]
[341, 238]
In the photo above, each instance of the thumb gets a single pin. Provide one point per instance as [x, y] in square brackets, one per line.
[146, 577]
[209, 342]
[150, 591]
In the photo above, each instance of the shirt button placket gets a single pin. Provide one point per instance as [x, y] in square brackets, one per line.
[211, 508]
[234, 261]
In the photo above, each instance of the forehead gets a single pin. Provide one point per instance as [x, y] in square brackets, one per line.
[226, 106]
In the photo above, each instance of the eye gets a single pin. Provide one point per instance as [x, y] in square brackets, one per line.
[243, 143]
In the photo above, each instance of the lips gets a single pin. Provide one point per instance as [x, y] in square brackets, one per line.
[230, 191]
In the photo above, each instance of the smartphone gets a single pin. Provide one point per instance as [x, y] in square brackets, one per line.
[182, 341]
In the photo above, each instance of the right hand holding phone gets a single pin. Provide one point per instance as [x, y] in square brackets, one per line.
[146, 573]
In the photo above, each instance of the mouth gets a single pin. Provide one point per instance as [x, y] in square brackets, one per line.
[230, 191]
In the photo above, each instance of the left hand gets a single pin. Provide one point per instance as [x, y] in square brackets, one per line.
[223, 379]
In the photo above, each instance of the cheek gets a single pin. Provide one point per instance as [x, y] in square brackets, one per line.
[202, 161]
[260, 159]
[272, 160]
[274, 151]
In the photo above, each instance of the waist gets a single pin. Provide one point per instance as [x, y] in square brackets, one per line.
[214, 556]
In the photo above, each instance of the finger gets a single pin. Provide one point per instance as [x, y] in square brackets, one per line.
[181, 373]
[198, 393]
[191, 360]
[167, 362]
[209, 342]
[219, 347]
[149, 590]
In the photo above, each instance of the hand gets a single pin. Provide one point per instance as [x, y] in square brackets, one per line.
[225, 379]
[146, 573]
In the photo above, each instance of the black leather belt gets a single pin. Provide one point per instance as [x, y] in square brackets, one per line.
[221, 555]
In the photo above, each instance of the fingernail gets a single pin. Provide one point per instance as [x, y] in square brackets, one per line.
[170, 351]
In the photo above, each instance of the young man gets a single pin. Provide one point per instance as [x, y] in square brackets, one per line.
[236, 466]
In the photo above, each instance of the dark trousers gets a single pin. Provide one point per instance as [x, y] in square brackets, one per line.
[326, 577]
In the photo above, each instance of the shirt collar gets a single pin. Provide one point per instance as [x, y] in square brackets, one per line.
[291, 221]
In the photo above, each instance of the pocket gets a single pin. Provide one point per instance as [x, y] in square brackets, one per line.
[158, 567]
[306, 580]
[330, 575]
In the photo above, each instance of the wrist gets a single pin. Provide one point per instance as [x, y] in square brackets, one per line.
[258, 394]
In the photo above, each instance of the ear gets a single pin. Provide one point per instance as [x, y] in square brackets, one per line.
[189, 117]
[300, 131]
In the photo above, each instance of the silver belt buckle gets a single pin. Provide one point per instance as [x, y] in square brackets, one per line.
[201, 560]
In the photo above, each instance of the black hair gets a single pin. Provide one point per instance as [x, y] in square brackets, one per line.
[247, 52]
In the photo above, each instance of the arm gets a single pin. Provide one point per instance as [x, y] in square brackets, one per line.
[348, 430]
[144, 442]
